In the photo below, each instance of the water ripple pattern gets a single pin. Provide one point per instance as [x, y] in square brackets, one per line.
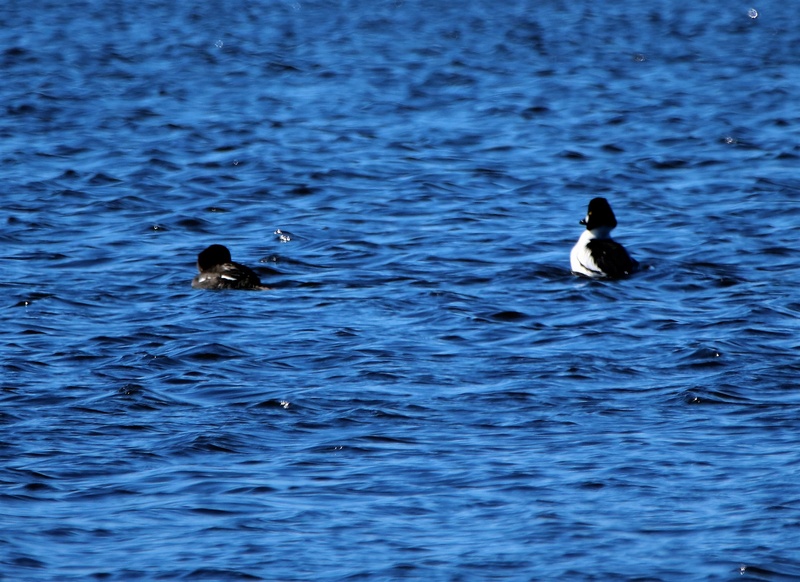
[426, 392]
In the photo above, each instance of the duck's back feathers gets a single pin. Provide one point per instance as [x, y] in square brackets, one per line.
[611, 258]
[227, 276]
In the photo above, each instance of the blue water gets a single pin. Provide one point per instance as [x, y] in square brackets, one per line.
[427, 392]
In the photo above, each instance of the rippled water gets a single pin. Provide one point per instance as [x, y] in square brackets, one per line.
[427, 393]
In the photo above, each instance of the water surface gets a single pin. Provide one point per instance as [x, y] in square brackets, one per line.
[427, 392]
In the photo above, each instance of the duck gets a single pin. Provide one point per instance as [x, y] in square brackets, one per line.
[596, 254]
[219, 271]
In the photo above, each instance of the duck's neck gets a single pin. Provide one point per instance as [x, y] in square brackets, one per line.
[599, 232]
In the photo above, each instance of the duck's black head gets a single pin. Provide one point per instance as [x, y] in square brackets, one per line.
[599, 215]
[213, 256]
